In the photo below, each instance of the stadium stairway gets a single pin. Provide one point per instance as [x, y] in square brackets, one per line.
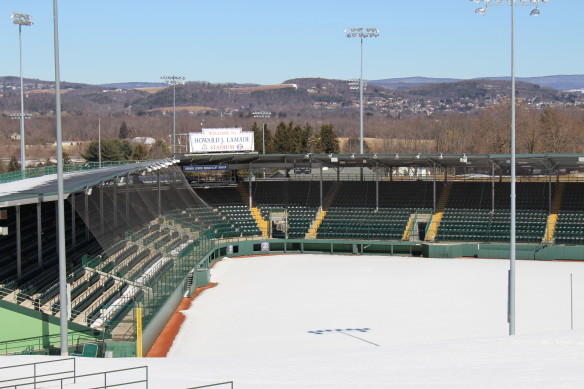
[437, 218]
[320, 215]
[409, 227]
[313, 230]
[552, 220]
[263, 225]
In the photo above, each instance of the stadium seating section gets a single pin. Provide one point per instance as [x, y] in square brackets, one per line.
[346, 210]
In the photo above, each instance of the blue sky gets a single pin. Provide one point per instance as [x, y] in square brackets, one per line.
[264, 42]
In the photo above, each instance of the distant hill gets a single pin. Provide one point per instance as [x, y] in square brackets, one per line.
[133, 85]
[562, 83]
[298, 97]
[559, 82]
[409, 82]
[483, 89]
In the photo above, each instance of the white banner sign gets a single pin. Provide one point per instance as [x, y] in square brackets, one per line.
[220, 140]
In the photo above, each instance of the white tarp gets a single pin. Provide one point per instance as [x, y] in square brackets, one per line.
[213, 140]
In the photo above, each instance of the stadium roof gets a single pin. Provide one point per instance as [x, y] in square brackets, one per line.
[547, 162]
[44, 188]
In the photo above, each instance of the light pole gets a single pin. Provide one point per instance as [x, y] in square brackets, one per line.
[64, 303]
[482, 10]
[21, 20]
[361, 33]
[263, 116]
[173, 81]
[99, 141]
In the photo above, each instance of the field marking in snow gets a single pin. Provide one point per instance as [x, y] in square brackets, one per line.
[356, 337]
[320, 332]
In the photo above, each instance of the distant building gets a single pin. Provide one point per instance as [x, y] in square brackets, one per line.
[144, 140]
[14, 136]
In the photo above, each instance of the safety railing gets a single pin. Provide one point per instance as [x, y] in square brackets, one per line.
[46, 170]
[45, 344]
[100, 380]
[32, 374]
[214, 385]
[131, 377]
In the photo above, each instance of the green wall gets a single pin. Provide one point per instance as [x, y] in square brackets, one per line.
[24, 328]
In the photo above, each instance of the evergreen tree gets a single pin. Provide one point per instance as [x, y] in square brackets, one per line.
[124, 131]
[282, 143]
[328, 141]
[13, 165]
[300, 139]
[126, 149]
[111, 150]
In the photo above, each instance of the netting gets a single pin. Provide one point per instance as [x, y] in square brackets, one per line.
[154, 229]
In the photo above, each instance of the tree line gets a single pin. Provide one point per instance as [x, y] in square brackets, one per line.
[547, 130]
[291, 138]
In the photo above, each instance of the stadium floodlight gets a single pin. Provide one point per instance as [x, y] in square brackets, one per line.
[173, 81]
[63, 295]
[512, 271]
[361, 33]
[21, 20]
[263, 116]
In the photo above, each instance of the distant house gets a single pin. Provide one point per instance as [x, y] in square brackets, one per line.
[14, 136]
[144, 140]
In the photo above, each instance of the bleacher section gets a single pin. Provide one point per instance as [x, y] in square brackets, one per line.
[35, 278]
[353, 214]
[366, 223]
[469, 215]
[229, 204]
[570, 224]
[300, 199]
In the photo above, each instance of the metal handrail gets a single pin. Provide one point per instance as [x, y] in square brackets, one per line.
[77, 377]
[209, 386]
[34, 376]
[70, 167]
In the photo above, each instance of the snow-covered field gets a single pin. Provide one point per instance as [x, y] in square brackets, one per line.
[321, 321]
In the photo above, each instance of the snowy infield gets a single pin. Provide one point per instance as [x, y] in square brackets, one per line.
[322, 321]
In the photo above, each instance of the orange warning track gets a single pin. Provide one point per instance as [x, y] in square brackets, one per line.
[164, 341]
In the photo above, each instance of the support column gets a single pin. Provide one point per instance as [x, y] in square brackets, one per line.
[434, 190]
[338, 173]
[390, 174]
[250, 195]
[549, 194]
[159, 196]
[39, 232]
[101, 210]
[127, 196]
[321, 186]
[73, 232]
[492, 188]
[115, 194]
[376, 186]
[18, 244]
[86, 211]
